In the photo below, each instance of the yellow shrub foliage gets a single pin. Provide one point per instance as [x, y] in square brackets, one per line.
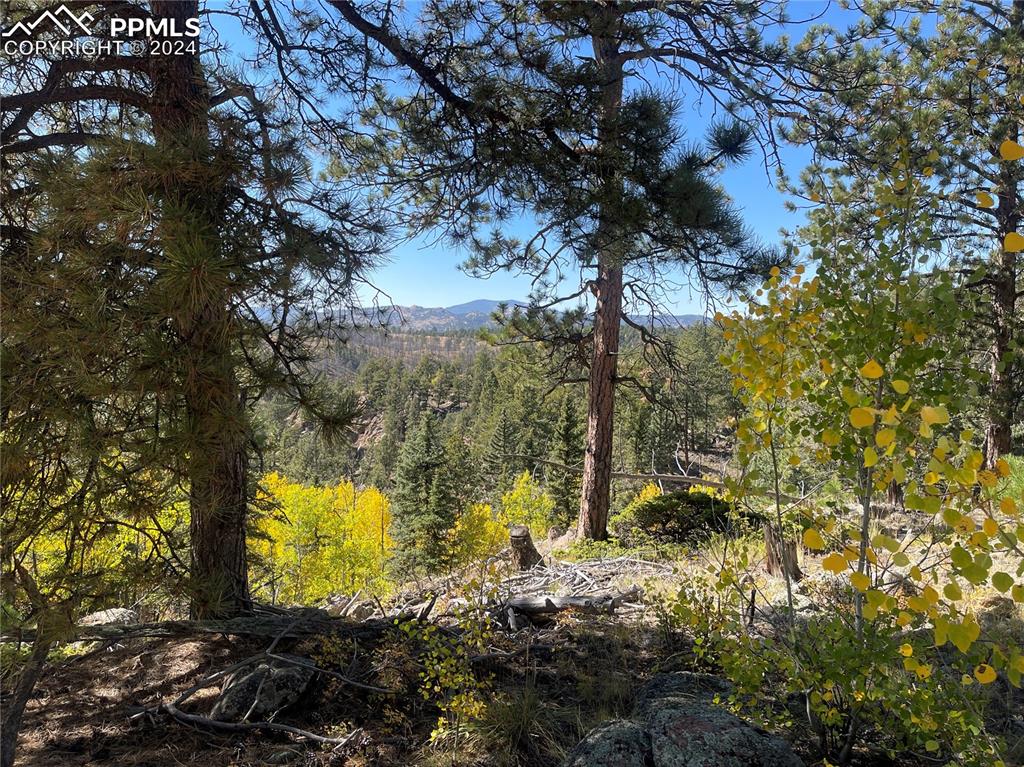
[320, 541]
[479, 533]
[528, 504]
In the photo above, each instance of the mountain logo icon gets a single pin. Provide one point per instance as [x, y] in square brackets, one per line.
[63, 18]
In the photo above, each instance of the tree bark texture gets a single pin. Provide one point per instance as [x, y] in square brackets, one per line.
[217, 432]
[607, 288]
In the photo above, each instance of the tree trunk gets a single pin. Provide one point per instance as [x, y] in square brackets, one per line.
[1003, 274]
[14, 707]
[607, 289]
[217, 433]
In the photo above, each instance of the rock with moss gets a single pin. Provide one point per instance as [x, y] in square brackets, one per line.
[618, 743]
[677, 722]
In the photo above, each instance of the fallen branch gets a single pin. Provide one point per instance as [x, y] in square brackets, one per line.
[542, 604]
[269, 626]
[196, 720]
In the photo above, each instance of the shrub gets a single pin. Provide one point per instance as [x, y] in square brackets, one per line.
[527, 504]
[319, 541]
[676, 517]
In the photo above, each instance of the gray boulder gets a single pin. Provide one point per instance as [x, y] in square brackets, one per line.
[699, 735]
[618, 743]
[120, 616]
[259, 693]
[677, 723]
[682, 688]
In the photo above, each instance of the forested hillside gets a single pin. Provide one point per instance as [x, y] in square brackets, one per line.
[735, 478]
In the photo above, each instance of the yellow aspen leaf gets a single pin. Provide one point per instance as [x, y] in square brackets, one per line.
[1011, 150]
[1017, 592]
[834, 563]
[900, 386]
[991, 527]
[930, 595]
[985, 200]
[953, 592]
[933, 415]
[941, 631]
[904, 618]
[886, 542]
[906, 650]
[870, 457]
[918, 604]
[987, 478]
[860, 581]
[1008, 506]
[984, 673]
[871, 370]
[1003, 467]
[960, 637]
[1002, 582]
[885, 437]
[775, 271]
[891, 416]
[830, 437]
[813, 539]
[923, 671]
[1013, 242]
[862, 417]
[826, 367]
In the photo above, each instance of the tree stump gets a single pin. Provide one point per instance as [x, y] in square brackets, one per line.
[524, 553]
[782, 554]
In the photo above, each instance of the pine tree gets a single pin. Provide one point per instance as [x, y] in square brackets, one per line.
[422, 506]
[579, 144]
[231, 254]
[567, 450]
[933, 124]
[500, 462]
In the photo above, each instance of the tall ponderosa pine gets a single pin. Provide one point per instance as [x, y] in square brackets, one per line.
[202, 204]
[543, 110]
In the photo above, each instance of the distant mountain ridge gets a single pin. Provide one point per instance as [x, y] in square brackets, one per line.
[476, 314]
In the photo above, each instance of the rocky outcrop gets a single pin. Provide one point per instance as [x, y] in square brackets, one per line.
[120, 616]
[259, 693]
[677, 723]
